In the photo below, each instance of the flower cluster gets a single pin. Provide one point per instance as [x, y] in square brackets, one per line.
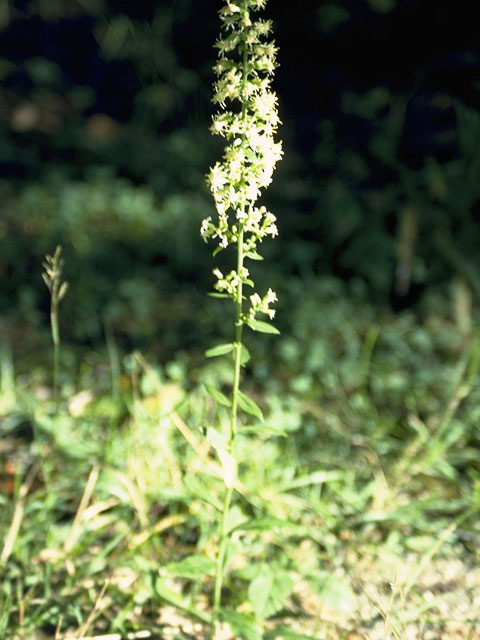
[262, 304]
[245, 65]
[229, 283]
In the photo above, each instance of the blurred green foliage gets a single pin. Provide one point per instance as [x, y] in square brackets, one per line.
[105, 153]
[125, 251]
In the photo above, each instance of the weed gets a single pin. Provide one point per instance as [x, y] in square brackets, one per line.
[244, 69]
[52, 275]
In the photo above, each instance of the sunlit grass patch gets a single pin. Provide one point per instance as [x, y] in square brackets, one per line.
[351, 518]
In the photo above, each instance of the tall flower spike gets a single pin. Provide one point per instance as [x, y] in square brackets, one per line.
[248, 119]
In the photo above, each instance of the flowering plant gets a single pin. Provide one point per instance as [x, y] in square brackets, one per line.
[244, 69]
[246, 62]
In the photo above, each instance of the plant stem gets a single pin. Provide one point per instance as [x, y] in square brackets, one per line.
[224, 533]
[52, 277]
[235, 182]
[224, 539]
[56, 347]
[238, 339]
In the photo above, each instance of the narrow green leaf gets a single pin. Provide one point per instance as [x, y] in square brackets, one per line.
[243, 625]
[249, 406]
[245, 355]
[248, 281]
[263, 430]
[175, 599]
[286, 633]
[317, 477]
[192, 567]
[215, 294]
[217, 395]
[473, 363]
[262, 326]
[253, 255]
[266, 524]
[200, 488]
[219, 350]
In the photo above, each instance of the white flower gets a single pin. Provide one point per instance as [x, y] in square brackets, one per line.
[250, 157]
[217, 177]
[255, 300]
[252, 191]
[271, 297]
[229, 9]
[205, 228]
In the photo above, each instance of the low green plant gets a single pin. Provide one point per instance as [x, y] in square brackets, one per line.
[244, 69]
[377, 483]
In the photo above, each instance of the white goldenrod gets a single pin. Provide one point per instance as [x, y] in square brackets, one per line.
[244, 69]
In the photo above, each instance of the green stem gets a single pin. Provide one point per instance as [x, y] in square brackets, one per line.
[56, 348]
[222, 550]
[238, 338]
[224, 533]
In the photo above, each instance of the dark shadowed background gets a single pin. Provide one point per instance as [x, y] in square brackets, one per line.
[104, 144]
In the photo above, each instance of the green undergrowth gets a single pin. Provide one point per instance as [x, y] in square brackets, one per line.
[366, 464]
